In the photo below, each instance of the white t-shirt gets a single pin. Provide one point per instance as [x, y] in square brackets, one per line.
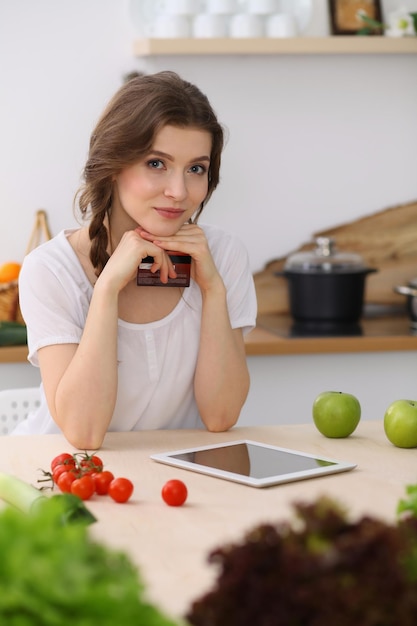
[156, 361]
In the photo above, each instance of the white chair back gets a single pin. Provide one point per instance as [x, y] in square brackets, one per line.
[15, 405]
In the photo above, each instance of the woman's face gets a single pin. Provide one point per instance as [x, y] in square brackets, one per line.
[166, 187]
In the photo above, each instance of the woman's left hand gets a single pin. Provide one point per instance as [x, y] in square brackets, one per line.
[190, 239]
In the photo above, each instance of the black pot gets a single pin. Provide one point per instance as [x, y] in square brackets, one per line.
[411, 292]
[326, 288]
[327, 297]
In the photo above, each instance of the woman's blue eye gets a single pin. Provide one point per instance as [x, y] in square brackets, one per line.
[198, 169]
[155, 163]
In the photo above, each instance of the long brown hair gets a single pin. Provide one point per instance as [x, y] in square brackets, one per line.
[125, 133]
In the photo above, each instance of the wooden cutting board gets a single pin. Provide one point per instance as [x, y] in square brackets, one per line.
[386, 240]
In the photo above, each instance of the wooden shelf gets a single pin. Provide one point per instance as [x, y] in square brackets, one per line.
[294, 45]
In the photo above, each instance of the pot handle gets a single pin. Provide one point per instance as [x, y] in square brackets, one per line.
[406, 291]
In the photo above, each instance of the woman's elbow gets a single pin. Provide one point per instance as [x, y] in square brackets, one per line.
[221, 421]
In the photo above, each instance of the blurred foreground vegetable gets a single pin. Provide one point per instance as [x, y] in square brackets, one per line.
[409, 504]
[320, 571]
[24, 497]
[53, 574]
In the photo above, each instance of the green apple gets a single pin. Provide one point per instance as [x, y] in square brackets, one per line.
[400, 423]
[336, 414]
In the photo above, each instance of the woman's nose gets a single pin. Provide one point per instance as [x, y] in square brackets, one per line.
[176, 187]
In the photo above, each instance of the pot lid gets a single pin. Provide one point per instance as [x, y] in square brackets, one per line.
[324, 258]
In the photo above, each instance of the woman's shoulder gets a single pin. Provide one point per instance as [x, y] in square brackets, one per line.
[223, 242]
[55, 256]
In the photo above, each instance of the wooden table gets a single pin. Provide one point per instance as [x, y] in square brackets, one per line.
[170, 545]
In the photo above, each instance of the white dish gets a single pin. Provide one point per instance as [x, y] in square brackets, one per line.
[252, 463]
[302, 10]
[144, 12]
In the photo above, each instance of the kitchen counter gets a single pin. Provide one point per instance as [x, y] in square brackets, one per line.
[273, 335]
[13, 354]
[171, 545]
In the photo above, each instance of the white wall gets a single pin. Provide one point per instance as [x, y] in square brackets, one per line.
[314, 140]
[283, 388]
[18, 375]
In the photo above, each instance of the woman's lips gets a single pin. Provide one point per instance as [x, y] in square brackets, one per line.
[168, 213]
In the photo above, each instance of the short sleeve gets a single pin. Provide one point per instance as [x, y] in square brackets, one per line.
[232, 261]
[53, 307]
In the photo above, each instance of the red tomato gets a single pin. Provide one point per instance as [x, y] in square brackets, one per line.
[91, 464]
[174, 493]
[102, 481]
[61, 469]
[65, 481]
[120, 489]
[83, 487]
[63, 459]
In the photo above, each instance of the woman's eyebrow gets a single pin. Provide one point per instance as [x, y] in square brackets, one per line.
[204, 157]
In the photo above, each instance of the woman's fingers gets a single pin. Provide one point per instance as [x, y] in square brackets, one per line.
[130, 252]
[161, 260]
[190, 239]
[165, 267]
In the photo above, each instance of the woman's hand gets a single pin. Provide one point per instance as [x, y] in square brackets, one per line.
[190, 239]
[123, 264]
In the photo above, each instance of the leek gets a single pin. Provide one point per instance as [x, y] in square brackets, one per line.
[26, 498]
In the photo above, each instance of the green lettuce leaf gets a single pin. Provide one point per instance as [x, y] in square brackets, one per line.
[54, 574]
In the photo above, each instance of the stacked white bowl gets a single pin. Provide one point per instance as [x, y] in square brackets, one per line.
[215, 18]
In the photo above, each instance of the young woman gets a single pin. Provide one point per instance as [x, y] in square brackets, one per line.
[115, 355]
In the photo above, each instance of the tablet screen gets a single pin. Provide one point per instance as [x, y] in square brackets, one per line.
[253, 463]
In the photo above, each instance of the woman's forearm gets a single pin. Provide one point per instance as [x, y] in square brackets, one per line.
[222, 377]
[86, 393]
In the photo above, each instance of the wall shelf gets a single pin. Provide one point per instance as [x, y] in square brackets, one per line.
[294, 45]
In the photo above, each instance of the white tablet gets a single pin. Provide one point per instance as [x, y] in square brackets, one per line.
[253, 463]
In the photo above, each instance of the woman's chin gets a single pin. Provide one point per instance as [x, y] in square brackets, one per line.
[168, 230]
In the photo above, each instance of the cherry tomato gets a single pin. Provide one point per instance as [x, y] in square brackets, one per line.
[61, 469]
[120, 489]
[174, 493]
[63, 459]
[102, 481]
[83, 487]
[91, 464]
[65, 481]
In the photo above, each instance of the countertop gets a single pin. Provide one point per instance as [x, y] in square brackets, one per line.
[274, 335]
[171, 544]
[13, 354]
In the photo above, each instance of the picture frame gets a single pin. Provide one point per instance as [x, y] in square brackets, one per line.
[343, 15]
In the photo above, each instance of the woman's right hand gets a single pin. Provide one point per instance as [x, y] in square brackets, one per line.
[123, 264]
